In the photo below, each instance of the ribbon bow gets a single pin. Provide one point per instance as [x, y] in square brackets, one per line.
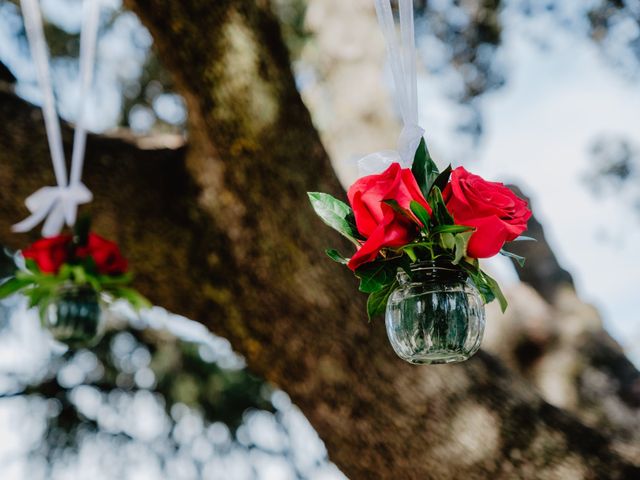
[402, 59]
[58, 204]
[378, 162]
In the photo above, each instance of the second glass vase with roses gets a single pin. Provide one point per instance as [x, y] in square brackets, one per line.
[70, 279]
[419, 234]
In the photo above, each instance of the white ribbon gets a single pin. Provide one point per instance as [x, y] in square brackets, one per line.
[59, 204]
[402, 59]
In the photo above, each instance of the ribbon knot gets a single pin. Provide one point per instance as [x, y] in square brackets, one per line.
[58, 204]
[378, 162]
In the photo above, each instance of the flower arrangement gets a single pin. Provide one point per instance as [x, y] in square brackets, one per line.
[402, 217]
[73, 272]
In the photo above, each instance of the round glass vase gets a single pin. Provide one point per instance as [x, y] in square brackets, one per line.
[75, 315]
[435, 316]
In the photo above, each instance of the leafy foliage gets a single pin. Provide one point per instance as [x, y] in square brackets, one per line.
[377, 301]
[40, 287]
[374, 276]
[336, 256]
[518, 258]
[421, 214]
[336, 214]
[424, 169]
[438, 238]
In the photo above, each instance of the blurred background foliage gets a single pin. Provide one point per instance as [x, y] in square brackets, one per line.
[151, 399]
[158, 397]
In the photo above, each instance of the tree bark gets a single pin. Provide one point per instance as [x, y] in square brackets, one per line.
[560, 352]
[221, 232]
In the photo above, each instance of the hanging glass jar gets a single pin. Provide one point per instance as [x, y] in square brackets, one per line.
[435, 316]
[75, 315]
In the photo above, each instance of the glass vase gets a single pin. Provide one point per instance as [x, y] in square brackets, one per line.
[75, 315]
[435, 315]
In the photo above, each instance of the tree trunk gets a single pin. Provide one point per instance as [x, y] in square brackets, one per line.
[557, 342]
[221, 232]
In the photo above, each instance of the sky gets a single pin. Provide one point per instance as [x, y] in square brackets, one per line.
[561, 93]
[540, 130]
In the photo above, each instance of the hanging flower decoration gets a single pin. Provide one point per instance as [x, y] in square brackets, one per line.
[69, 277]
[402, 217]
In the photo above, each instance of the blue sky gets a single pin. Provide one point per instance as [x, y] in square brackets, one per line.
[561, 94]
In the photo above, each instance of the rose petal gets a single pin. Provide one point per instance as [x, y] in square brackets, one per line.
[492, 208]
[367, 196]
[369, 250]
[394, 231]
[490, 235]
[365, 221]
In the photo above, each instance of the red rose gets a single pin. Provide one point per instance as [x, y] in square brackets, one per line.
[105, 254]
[49, 253]
[497, 214]
[378, 222]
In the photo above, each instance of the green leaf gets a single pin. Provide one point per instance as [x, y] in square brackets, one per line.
[374, 276]
[336, 214]
[412, 255]
[377, 301]
[523, 238]
[487, 286]
[441, 215]
[421, 213]
[497, 292]
[26, 274]
[462, 241]
[476, 276]
[79, 274]
[322, 202]
[13, 285]
[442, 179]
[136, 300]
[38, 295]
[424, 169]
[336, 256]
[448, 241]
[112, 280]
[95, 283]
[451, 229]
[65, 272]
[518, 258]
[485, 289]
[88, 264]
[422, 153]
[426, 244]
[31, 265]
[413, 246]
[402, 211]
[473, 263]
[419, 167]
